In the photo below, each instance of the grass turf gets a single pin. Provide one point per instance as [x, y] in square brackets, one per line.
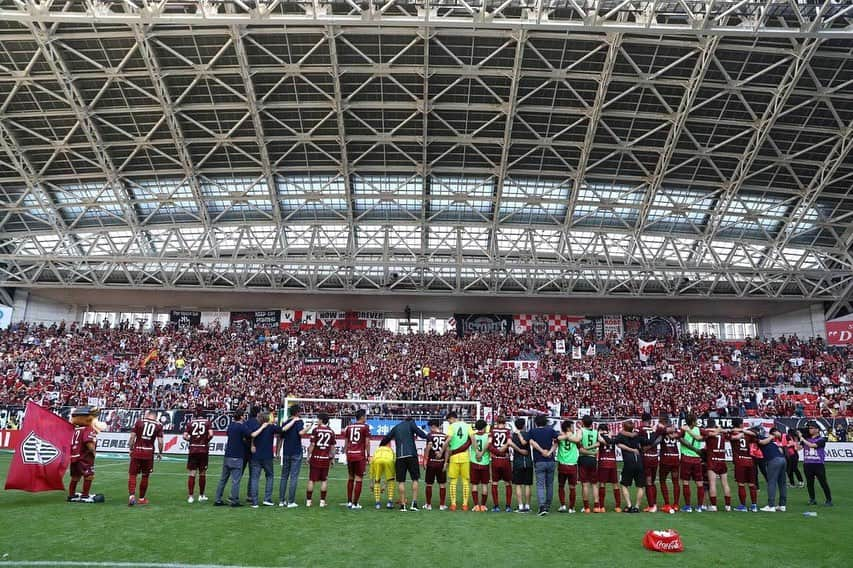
[42, 527]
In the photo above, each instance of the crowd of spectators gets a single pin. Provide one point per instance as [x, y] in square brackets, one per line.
[223, 368]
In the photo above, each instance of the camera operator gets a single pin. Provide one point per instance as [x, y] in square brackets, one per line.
[814, 456]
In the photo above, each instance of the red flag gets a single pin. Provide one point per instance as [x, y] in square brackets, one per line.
[152, 355]
[43, 452]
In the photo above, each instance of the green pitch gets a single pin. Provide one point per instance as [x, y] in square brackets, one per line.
[42, 527]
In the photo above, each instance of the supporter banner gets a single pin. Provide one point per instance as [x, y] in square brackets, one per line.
[520, 364]
[645, 349]
[381, 427]
[576, 352]
[593, 326]
[560, 346]
[325, 361]
[212, 319]
[267, 318]
[542, 324]
[351, 320]
[632, 325]
[663, 327]
[298, 319]
[5, 317]
[467, 324]
[839, 331]
[612, 326]
[183, 318]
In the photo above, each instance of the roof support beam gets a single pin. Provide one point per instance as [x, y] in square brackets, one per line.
[594, 116]
[59, 68]
[708, 45]
[520, 42]
[802, 55]
[331, 34]
[152, 64]
[251, 100]
[721, 17]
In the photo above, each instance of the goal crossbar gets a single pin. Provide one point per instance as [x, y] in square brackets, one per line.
[288, 401]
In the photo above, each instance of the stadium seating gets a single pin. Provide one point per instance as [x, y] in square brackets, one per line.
[68, 365]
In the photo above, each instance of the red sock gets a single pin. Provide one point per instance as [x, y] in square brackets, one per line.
[202, 483]
[676, 490]
[664, 488]
[356, 495]
[87, 485]
[429, 495]
[322, 495]
[573, 494]
[617, 496]
[349, 490]
[72, 487]
[741, 494]
[728, 499]
[190, 485]
[586, 503]
[131, 485]
[442, 495]
[508, 490]
[601, 491]
[685, 490]
[562, 492]
[700, 500]
[143, 487]
[308, 494]
[753, 494]
[651, 498]
[714, 500]
[476, 497]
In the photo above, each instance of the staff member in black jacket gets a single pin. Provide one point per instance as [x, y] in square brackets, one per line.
[403, 435]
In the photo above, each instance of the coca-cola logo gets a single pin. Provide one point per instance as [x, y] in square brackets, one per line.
[667, 545]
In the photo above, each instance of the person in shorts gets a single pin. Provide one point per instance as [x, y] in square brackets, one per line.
[522, 467]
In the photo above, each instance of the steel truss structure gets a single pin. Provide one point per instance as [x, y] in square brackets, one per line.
[537, 147]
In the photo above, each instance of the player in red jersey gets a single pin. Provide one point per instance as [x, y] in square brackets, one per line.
[652, 436]
[320, 458]
[435, 458]
[499, 439]
[357, 449]
[567, 465]
[715, 459]
[141, 444]
[198, 434]
[83, 446]
[744, 465]
[607, 469]
[670, 464]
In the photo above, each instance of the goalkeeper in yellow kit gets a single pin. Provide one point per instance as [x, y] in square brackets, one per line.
[459, 436]
[382, 465]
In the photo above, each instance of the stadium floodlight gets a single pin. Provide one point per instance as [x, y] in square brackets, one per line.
[441, 406]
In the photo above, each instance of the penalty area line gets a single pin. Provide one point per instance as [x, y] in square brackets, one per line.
[83, 564]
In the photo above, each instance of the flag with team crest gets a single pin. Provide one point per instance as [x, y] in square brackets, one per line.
[43, 452]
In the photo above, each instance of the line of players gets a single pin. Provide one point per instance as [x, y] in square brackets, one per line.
[480, 457]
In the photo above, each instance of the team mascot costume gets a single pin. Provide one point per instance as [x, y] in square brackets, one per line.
[83, 448]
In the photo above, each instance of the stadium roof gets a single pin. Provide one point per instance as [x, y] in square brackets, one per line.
[542, 148]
